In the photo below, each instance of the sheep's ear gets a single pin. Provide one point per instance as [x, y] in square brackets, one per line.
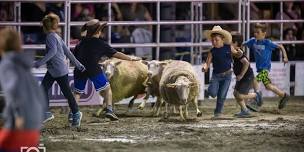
[192, 84]
[171, 85]
[117, 63]
[144, 62]
[102, 64]
[163, 63]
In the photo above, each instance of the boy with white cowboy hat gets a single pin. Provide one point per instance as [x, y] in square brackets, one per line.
[89, 52]
[221, 57]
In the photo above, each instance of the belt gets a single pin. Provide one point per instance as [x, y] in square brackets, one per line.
[225, 73]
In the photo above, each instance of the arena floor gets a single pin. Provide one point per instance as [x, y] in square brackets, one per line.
[270, 130]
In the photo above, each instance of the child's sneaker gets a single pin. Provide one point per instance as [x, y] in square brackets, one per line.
[48, 116]
[217, 116]
[243, 114]
[283, 101]
[253, 106]
[70, 117]
[259, 98]
[77, 119]
[111, 115]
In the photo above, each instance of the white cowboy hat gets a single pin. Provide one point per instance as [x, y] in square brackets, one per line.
[217, 29]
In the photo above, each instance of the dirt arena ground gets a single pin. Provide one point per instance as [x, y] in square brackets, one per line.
[270, 130]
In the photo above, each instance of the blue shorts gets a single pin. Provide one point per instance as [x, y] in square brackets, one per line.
[100, 82]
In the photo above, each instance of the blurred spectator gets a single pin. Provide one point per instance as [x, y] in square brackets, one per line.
[289, 35]
[291, 12]
[6, 11]
[33, 12]
[80, 12]
[139, 34]
[56, 8]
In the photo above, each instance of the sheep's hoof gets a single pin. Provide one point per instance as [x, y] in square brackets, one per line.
[140, 107]
[166, 115]
[199, 114]
[98, 113]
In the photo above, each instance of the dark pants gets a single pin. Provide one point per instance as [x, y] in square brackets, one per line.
[63, 82]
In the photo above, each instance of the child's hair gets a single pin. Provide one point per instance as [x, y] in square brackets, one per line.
[238, 38]
[89, 29]
[49, 22]
[217, 34]
[10, 39]
[261, 26]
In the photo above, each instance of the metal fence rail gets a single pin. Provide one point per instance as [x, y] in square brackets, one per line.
[243, 22]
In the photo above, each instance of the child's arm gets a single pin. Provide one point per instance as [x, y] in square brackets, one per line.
[69, 54]
[51, 43]
[122, 56]
[208, 62]
[235, 52]
[282, 49]
[111, 52]
[244, 68]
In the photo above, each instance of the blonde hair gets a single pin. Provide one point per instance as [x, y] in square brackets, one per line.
[11, 39]
[50, 22]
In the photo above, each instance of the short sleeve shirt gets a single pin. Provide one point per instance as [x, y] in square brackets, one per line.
[262, 50]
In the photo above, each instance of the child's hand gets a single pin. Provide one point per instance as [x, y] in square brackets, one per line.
[285, 60]
[204, 68]
[134, 58]
[19, 123]
[239, 77]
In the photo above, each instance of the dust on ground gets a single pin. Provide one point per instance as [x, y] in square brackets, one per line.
[270, 130]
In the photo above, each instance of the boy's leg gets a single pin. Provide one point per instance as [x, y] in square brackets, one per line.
[47, 83]
[107, 96]
[213, 86]
[67, 92]
[275, 89]
[221, 94]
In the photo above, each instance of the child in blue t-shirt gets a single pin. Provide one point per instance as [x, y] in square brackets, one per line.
[262, 49]
[221, 57]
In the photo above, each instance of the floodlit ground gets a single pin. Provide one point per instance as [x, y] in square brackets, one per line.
[270, 130]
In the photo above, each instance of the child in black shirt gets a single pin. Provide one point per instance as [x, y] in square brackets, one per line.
[89, 52]
[244, 77]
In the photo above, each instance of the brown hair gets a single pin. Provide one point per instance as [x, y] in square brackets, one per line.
[217, 34]
[92, 27]
[50, 22]
[11, 39]
[237, 37]
[261, 26]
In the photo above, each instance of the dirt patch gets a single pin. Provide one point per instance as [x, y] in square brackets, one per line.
[139, 131]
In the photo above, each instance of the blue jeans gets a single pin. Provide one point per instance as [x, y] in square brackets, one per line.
[218, 87]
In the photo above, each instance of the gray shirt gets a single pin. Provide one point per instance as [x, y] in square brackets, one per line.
[23, 96]
[55, 57]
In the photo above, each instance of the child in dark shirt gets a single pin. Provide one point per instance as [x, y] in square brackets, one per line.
[89, 52]
[244, 78]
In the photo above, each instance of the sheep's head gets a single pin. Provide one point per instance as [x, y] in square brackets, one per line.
[155, 67]
[110, 67]
[182, 86]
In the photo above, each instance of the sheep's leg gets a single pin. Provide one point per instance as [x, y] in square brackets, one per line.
[186, 112]
[131, 103]
[198, 112]
[174, 110]
[143, 104]
[159, 106]
[155, 107]
[166, 115]
[181, 113]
